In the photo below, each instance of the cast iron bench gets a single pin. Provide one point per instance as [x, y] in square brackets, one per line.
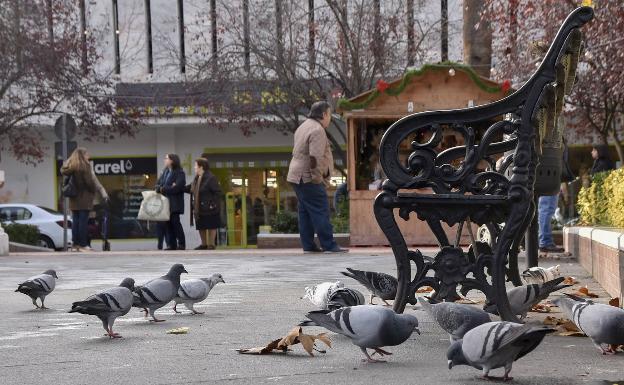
[524, 132]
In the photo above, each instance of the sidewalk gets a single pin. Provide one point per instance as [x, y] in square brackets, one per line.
[260, 302]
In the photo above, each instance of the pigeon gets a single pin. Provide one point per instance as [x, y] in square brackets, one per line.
[193, 291]
[604, 324]
[38, 286]
[455, 318]
[319, 294]
[344, 297]
[380, 285]
[495, 345]
[107, 305]
[523, 298]
[158, 292]
[368, 326]
[538, 274]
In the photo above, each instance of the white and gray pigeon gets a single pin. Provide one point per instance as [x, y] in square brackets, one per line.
[455, 318]
[319, 294]
[158, 292]
[38, 286]
[604, 324]
[495, 345]
[108, 304]
[381, 285]
[344, 297]
[193, 291]
[523, 298]
[368, 326]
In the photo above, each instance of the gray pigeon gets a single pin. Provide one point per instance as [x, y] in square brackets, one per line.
[158, 292]
[455, 318]
[494, 345]
[604, 324]
[369, 327]
[38, 286]
[344, 297]
[523, 298]
[380, 285]
[193, 291]
[108, 304]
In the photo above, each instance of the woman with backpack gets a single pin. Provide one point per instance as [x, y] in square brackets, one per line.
[205, 208]
[81, 186]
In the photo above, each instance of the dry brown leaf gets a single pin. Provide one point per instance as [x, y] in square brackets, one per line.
[467, 301]
[425, 289]
[584, 292]
[541, 308]
[564, 327]
[615, 302]
[569, 281]
[295, 336]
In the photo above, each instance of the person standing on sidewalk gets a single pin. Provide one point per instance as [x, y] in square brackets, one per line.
[86, 185]
[171, 184]
[205, 204]
[309, 173]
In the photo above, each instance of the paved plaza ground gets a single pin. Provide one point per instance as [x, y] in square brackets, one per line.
[259, 302]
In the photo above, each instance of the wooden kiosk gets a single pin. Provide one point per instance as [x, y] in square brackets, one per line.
[368, 115]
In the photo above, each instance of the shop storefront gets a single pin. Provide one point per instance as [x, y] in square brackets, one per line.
[124, 178]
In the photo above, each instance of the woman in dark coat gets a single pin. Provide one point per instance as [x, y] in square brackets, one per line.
[171, 184]
[602, 160]
[205, 204]
[87, 185]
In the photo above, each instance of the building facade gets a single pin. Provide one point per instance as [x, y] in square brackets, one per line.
[165, 43]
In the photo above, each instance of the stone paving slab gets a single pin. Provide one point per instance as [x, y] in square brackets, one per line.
[260, 302]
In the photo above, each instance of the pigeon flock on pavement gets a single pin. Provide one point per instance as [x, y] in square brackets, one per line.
[476, 339]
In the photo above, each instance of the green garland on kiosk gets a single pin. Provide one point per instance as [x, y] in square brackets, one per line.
[382, 86]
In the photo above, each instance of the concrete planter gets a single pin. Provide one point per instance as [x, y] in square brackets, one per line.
[601, 252]
[291, 241]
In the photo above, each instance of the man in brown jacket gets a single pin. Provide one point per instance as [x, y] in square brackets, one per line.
[309, 172]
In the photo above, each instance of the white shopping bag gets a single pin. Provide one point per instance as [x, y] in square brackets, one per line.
[154, 207]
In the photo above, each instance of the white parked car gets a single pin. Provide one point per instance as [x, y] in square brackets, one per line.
[49, 222]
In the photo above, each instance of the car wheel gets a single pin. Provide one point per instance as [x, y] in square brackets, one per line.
[45, 241]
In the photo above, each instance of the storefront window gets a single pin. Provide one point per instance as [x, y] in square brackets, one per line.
[124, 178]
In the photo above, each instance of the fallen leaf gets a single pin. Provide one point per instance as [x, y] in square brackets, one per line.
[564, 327]
[569, 281]
[615, 302]
[425, 289]
[468, 301]
[295, 336]
[541, 308]
[584, 292]
[183, 330]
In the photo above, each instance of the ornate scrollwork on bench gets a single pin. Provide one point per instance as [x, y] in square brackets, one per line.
[468, 184]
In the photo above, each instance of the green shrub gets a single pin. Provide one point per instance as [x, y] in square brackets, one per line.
[26, 234]
[602, 203]
[340, 220]
[285, 222]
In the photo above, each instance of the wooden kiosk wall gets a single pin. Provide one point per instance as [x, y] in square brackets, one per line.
[434, 90]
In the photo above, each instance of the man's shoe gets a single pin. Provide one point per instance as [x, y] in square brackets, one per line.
[201, 247]
[336, 250]
[551, 249]
[313, 251]
[211, 247]
[170, 249]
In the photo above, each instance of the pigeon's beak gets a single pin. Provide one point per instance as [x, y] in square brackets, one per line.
[222, 280]
[450, 364]
[417, 330]
[184, 271]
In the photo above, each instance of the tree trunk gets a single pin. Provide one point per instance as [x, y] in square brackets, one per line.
[311, 38]
[411, 44]
[443, 30]
[618, 145]
[477, 41]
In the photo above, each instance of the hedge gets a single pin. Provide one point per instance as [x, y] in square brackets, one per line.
[602, 203]
[20, 233]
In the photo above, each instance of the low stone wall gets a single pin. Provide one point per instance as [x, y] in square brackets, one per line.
[291, 241]
[601, 252]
